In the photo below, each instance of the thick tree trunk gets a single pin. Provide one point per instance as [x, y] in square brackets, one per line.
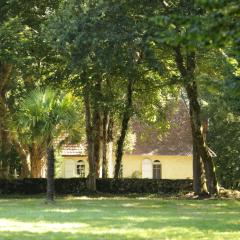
[90, 144]
[5, 71]
[187, 69]
[36, 159]
[199, 186]
[196, 169]
[195, 119]
[199, 180]
[124, 127]
[25, 172]
[50, 173]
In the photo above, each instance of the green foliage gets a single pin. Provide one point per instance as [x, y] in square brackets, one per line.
[14, 38]
[220, 93]
[221, 24]
[106, 41]
[78, 186]
[72, 44]
[224, 139]
[45, 115]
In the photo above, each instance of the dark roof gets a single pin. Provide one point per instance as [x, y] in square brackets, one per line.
[177, 141]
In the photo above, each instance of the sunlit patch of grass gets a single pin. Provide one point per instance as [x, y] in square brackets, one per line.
[119, 218]
[60, 210]
[39, 226]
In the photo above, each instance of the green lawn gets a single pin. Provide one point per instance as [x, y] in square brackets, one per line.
[119, 218]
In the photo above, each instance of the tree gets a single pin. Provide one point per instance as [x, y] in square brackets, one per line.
[103, 45]
[24, 63]
[220, 101]
[44, 116]
[176, 32]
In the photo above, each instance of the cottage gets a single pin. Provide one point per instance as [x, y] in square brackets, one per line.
[151, 157]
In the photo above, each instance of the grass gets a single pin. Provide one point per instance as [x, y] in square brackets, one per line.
[119, 218]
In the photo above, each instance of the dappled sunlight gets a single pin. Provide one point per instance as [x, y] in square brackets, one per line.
[112, 219]
[61, 210]
[82, 228]
[77, 231]
[39, 227]
[134, 219]
[130, 204]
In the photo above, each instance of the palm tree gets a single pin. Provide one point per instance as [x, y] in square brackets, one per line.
[44, 116]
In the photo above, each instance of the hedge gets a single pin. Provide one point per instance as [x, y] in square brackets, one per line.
[78, 186]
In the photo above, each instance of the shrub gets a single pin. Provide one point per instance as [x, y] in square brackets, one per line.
[78, 186]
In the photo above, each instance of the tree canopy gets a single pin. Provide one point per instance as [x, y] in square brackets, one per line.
[120, 61]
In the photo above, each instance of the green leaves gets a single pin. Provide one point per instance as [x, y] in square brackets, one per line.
[45, 113]
[14, 37]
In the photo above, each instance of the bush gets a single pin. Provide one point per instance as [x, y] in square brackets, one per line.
[78, 186]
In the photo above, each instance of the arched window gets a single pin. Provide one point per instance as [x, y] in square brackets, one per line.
[157, 170]
[80, 168]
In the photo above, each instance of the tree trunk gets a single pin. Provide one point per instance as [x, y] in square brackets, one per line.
[107, 143]
[97, 126]
[105, 147]
[25, 173]
[97, 123]
[23, 155]
[110, 144]
[199, 186]
[91, 183]
[187, 68]
[50, 173]
[199, 180]
[5, 71]
[124, 127]
[5, 153]
[36, 159]
[196, 169]
[195, 119]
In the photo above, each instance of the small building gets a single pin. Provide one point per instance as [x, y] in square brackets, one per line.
[169, 157]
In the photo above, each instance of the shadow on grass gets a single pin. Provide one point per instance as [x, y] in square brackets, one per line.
[68, 236]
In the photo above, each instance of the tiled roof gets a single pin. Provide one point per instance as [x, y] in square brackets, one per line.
[73, 150]
[178, 140]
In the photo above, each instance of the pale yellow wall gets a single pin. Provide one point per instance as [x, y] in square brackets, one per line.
[177, 168]
[69, 166]
[173, 167]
